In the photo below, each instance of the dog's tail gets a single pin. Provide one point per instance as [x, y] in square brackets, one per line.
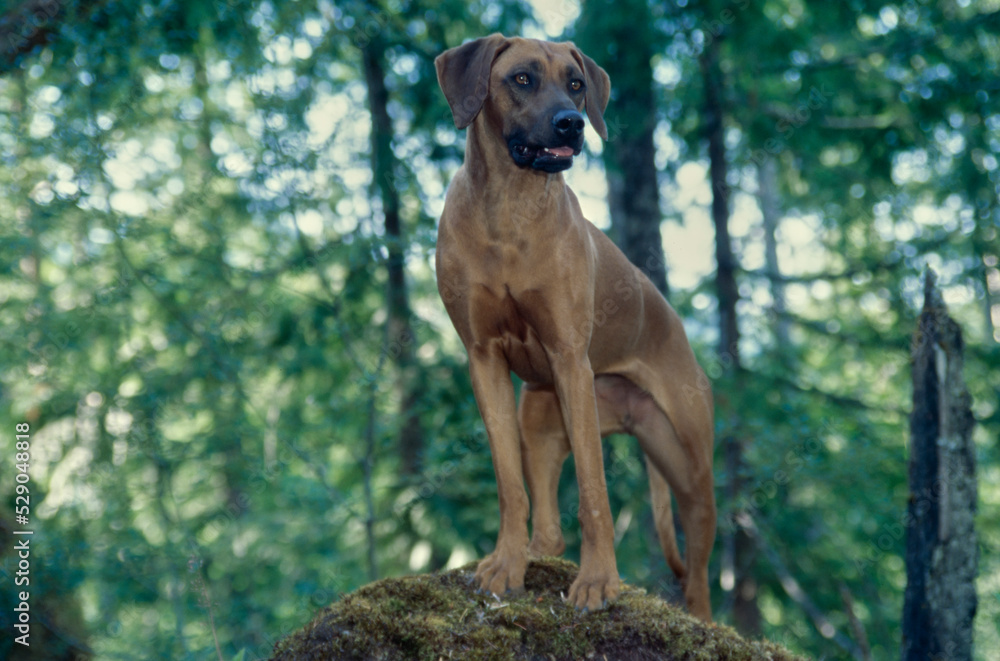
[663, 517]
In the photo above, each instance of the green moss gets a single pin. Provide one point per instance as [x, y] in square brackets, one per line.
[441, 616]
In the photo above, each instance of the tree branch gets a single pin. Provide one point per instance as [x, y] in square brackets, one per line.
[794, 590]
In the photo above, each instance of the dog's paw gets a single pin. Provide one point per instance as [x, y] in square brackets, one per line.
[499, 572]
[593, 590]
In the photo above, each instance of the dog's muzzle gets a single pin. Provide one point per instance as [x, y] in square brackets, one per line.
[566, 142]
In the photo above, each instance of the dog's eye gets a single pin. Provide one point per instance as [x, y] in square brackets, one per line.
[522, 79]
[576, 85]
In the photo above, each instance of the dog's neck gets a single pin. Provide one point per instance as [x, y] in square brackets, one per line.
[527, 194]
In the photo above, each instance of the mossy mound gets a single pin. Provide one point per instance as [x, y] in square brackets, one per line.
[441, 616]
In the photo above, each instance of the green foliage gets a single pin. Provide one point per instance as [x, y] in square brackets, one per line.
[193, 304]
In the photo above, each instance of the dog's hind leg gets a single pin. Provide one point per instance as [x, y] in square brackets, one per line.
[686, 470]
[544, 448]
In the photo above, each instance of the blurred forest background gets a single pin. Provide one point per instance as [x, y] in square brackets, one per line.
[219, 314]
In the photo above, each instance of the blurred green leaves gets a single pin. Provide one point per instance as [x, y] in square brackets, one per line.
[192, 302]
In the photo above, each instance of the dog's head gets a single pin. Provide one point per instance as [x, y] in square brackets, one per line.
[531, 92]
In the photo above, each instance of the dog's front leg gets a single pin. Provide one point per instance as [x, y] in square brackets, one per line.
[504, 568]
[598, 580]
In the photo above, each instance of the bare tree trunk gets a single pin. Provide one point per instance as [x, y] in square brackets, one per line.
[633, 200]
[978, 187]
[231, 444]
[725, 277]
[739, 548]
[941, 549]
[630, 153]
[987, 263]
[400, 337]
[770, 208]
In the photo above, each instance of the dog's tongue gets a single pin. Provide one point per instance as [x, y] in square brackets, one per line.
[560, 151]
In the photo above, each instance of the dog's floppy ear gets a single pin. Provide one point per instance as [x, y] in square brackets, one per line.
[464, 76]
[598, 91]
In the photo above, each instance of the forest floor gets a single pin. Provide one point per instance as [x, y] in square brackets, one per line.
[442, 616]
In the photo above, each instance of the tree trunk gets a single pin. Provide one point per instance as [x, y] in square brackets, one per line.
[625, 49]
[941, 549]
[725, 277]
[738, 546]
[980, 192]
[986, 260]
[400, 338]
[233, 470]
[770, 208]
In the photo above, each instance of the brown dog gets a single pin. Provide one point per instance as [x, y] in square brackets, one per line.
[534, 287]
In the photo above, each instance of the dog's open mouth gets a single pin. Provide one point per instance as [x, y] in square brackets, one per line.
[548, 159]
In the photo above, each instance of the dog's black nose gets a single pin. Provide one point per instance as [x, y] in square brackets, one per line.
[568, 124]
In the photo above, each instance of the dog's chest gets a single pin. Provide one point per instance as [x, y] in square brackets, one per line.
[500, 317]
